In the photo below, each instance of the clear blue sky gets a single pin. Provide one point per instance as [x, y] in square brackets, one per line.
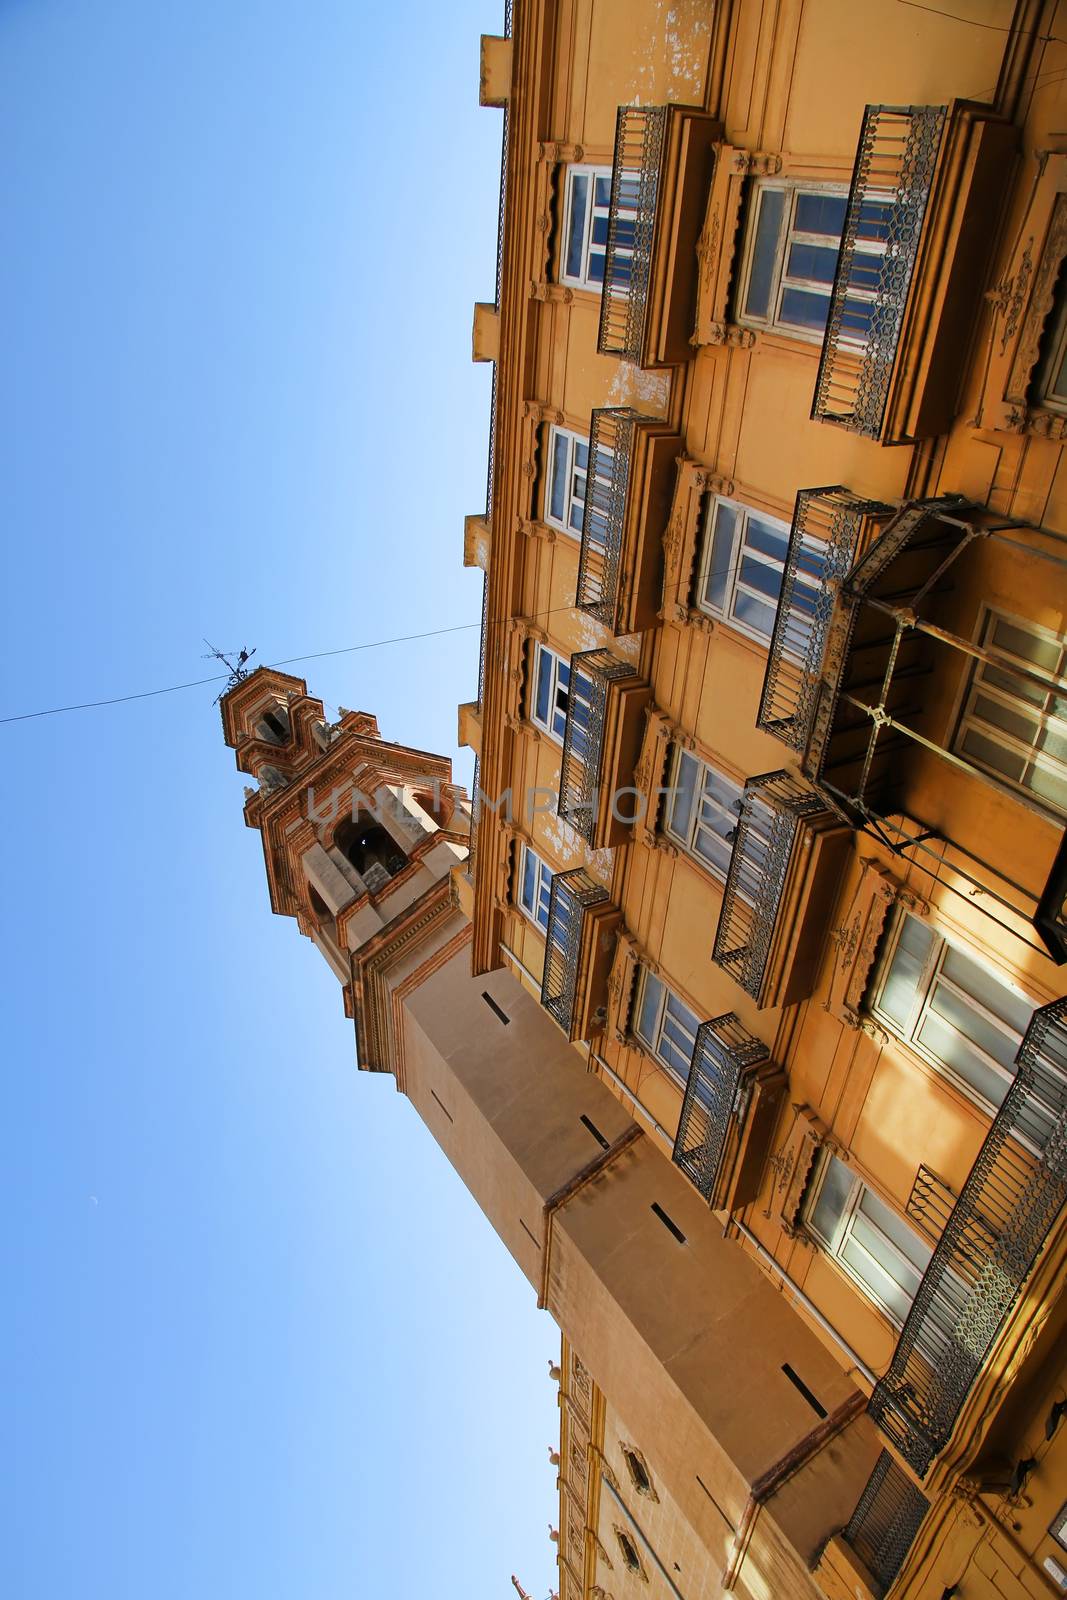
[258, 1340]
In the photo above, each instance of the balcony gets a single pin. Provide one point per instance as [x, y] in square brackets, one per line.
[993, 1236]
[779, 890]
[579, 945]
[605, 713]
[664, 158]
[829, 527]
[627, 503]
[911, 268]
[883, 1526]
[728, 1113]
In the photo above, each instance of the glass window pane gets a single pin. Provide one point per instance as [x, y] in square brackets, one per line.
[973, 1028]
[603, 191]
[834, 1194]
[956, 1054]
[805, 308]
[648, 1014]
[766, 537]
[896, 1230]
[900, 989]
[576, 239]
[720, 560]
[680, 802]
[1013, 1009]
[558, 485]
[764, 248]
[815, 261]
[820, 213]
[544, 686]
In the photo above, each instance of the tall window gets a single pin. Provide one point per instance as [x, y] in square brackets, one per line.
[568, 472]
[867, 1238]
[791, 258]
[701, 810]
[665, 1025]
[1050, 388]
[742, 563]
[535, 886]
[950, 1010]
[1011, 726]
[585, 226]
[551, 691]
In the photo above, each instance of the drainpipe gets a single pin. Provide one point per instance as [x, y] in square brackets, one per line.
[636, 1526]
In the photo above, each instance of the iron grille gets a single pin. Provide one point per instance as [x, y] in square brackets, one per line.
[499, 279]
[592, 673]
[895, 162]
[930, 1202]
[990, 1242]
[883, 1526]
[827, 524]
[635, 174]
[611, 439]
[573, 893]
[476, 812]
[771, 810]
[714, 1098]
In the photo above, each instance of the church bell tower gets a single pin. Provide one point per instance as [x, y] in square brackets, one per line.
[753, 1426]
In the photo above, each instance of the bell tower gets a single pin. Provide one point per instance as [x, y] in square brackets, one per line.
[753, 1426]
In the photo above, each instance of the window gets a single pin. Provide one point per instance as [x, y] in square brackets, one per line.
[742, 563]
[558, 691]
[551, 691]
[953, 1012]
[791, 258]
[867, 1238]
[1011, 726]
[568, 468]
[665, 1025]
[628, 1550]
[585, 226]
[702, 808]
[535, 886]
[1051, 386]
[638, 1470]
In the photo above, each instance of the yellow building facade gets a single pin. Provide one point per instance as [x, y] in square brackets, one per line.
[744, 1018]
[775, 562]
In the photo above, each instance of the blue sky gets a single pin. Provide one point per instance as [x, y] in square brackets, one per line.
[259, 1341]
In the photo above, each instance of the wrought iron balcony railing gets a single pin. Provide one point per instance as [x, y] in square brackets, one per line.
[714, 1098]
[611, 439]
[891, 183]
[773, 807]
[573, 894]
[635, 181]
[592, 673]
[994, 1233]
[883, 1526]
[827, 524]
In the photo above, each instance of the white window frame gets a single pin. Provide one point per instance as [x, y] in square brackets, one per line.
[576, 485]
[669, 1006]
[1054, 357]
[858, 1217]
[788, 235]
[704, 796]
[979, 685]
[542, 888]
[931, 980]
[558, 694]
[740, 549]
[582, 279]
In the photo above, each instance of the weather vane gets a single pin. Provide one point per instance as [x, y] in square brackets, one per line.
[235, 662]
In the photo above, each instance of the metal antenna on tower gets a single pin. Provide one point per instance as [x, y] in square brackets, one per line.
[235, 662]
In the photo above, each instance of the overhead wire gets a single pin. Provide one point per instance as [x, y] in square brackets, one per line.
[315, 655]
